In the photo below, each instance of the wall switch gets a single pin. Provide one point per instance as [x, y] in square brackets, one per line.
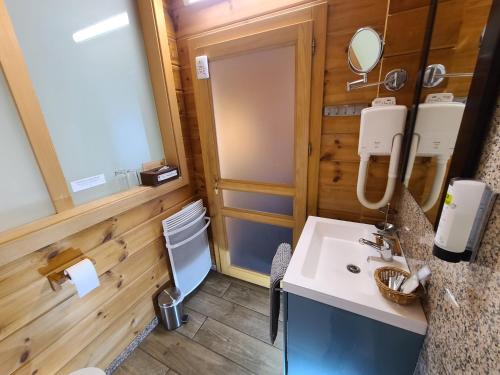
[202, 67]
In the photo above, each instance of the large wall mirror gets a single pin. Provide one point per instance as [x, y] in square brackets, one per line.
[452, 87]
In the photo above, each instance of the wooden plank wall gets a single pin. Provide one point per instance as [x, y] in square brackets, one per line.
[339, 159]
[49, 332]
[46, 332]
[403, 24]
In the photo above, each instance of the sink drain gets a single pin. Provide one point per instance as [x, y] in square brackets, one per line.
[354, 269]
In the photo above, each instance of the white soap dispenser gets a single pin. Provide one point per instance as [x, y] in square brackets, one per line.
[466, 210]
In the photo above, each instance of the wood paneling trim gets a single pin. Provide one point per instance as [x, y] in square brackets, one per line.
[25, 270]
[112, 341]
[341, 125]
[90, 327]
[31, 237]
[192, 21]
[342, 199]
[337, 174]
[256, 187]
[177, 78]
[413, 23]
[174, 54]
[302, 123]
[341, 147]
[156, 42]
[402, 5]
[36, 296]
[351, 15]
[243, 43]
[251, 276]
[259, 217]
[30, 112]
[33, 338]
[319, 16]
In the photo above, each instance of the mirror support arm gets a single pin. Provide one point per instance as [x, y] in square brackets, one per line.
[393, 81]
[358, 83]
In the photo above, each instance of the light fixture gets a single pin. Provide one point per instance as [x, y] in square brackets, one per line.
[191, 2]
[102, 27]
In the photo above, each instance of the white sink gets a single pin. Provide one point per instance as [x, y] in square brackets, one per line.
[318, 270]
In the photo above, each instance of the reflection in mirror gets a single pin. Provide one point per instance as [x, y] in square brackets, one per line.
[435, 135]
[436, 73]
[444, 92]
[365, 50]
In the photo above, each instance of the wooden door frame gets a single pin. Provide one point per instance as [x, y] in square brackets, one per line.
[302, 21]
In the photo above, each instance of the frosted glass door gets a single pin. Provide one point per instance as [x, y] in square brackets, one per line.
[253, 115]
[23, 195]
[89, 68]
[253, 245]
[258, 202]
[253, 103]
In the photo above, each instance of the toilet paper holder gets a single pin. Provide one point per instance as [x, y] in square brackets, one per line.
[55, 273]
[56, 279]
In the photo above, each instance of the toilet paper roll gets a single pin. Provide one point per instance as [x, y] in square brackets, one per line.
[84, 276]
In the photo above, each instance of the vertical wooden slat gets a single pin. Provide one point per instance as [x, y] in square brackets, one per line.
[319, 15]
[17, 76]
[302, 113]
[156, 42]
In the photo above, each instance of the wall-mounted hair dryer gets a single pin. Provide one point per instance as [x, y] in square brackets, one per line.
[435, 135]
[381, 133]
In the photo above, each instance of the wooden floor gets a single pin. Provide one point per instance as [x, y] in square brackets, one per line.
[227, 333]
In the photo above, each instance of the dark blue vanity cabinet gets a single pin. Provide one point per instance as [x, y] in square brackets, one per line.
[321, 340]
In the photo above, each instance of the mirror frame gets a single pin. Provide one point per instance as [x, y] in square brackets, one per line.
[481, 101]
[379, 57]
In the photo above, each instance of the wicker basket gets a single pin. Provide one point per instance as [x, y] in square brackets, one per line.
[382, 278]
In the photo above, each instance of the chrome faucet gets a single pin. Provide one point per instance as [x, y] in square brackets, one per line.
[385, 249]
[384, 227]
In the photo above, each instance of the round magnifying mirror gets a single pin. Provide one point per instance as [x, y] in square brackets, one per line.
[365, 50]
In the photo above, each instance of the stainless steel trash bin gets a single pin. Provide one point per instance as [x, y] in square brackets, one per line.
[170, 303]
